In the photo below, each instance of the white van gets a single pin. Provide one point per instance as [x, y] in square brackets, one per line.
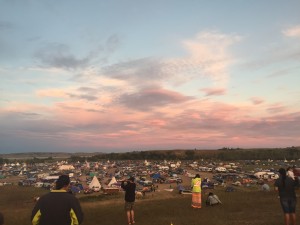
[38, 184]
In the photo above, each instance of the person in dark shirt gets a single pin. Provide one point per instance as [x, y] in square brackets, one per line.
[129, 186]
[1, 219]
[58, 207]
[286, 187]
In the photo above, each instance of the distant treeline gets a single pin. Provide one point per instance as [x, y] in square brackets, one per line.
[224, 154]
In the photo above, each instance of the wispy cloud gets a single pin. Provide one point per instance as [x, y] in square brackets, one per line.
[207, 55]
[283, 72]
[292, 32]
[86, 93]
[257, 100]
[214, 91]
[277, 108]
[210, 52]
[152, 98]
[56, 93]
[59, 56]
[142, 72]
[6, 25]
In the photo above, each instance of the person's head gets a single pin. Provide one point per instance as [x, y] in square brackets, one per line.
[210, 194]
[197, 175]
[282, 172]
[289, 168]
[131, 179]
[62, 182]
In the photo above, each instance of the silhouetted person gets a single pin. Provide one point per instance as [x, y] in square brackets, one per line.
[129, 188]
[286, 188]
[58, 207]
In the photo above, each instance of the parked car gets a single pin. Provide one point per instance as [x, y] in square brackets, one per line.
[87, 191]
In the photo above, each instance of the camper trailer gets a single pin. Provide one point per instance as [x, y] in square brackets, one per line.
[266, 175]
[221, 169]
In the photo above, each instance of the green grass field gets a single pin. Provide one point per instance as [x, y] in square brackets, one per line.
[244, 206]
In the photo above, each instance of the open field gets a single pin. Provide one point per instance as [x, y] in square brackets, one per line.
[248, 205]
[244, 206]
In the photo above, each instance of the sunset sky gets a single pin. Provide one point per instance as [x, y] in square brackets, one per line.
[133, 75]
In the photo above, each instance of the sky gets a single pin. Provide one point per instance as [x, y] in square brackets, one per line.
[135, 75]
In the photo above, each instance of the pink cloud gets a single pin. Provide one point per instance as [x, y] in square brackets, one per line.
[276, 108]
[57, 93]
[214, 91]
[292, 31]
[157, 123]
[186, 124]
[151, 98]
[257, 100]
[209, 51]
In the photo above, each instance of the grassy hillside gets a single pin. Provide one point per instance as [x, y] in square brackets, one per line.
[245, 206]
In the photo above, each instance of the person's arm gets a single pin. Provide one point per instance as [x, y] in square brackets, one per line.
[1, 219]
[216, 197]
[134, 186]
[123, 185]
[36, 214]
[276, 185]
[76, 213]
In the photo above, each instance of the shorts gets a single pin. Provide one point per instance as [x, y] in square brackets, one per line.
[288, 205]
[129, 206]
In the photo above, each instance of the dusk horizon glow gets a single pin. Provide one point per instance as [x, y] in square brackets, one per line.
[119, 76]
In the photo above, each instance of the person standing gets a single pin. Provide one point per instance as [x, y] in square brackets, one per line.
[129, 187]
[58, 207]
[286, 187]
[196, 192]
[290, 172]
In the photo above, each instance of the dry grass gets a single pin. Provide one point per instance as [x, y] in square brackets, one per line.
[245, 206]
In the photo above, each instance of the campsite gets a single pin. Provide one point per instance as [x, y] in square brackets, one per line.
[165, 188]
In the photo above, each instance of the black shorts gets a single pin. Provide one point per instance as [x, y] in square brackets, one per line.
[129, 206]
[288, 205]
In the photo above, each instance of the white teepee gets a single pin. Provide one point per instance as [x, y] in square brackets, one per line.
[95, 184]
[113, 181]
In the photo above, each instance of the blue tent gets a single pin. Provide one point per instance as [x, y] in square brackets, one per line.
[156, 176]
[74, 189]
